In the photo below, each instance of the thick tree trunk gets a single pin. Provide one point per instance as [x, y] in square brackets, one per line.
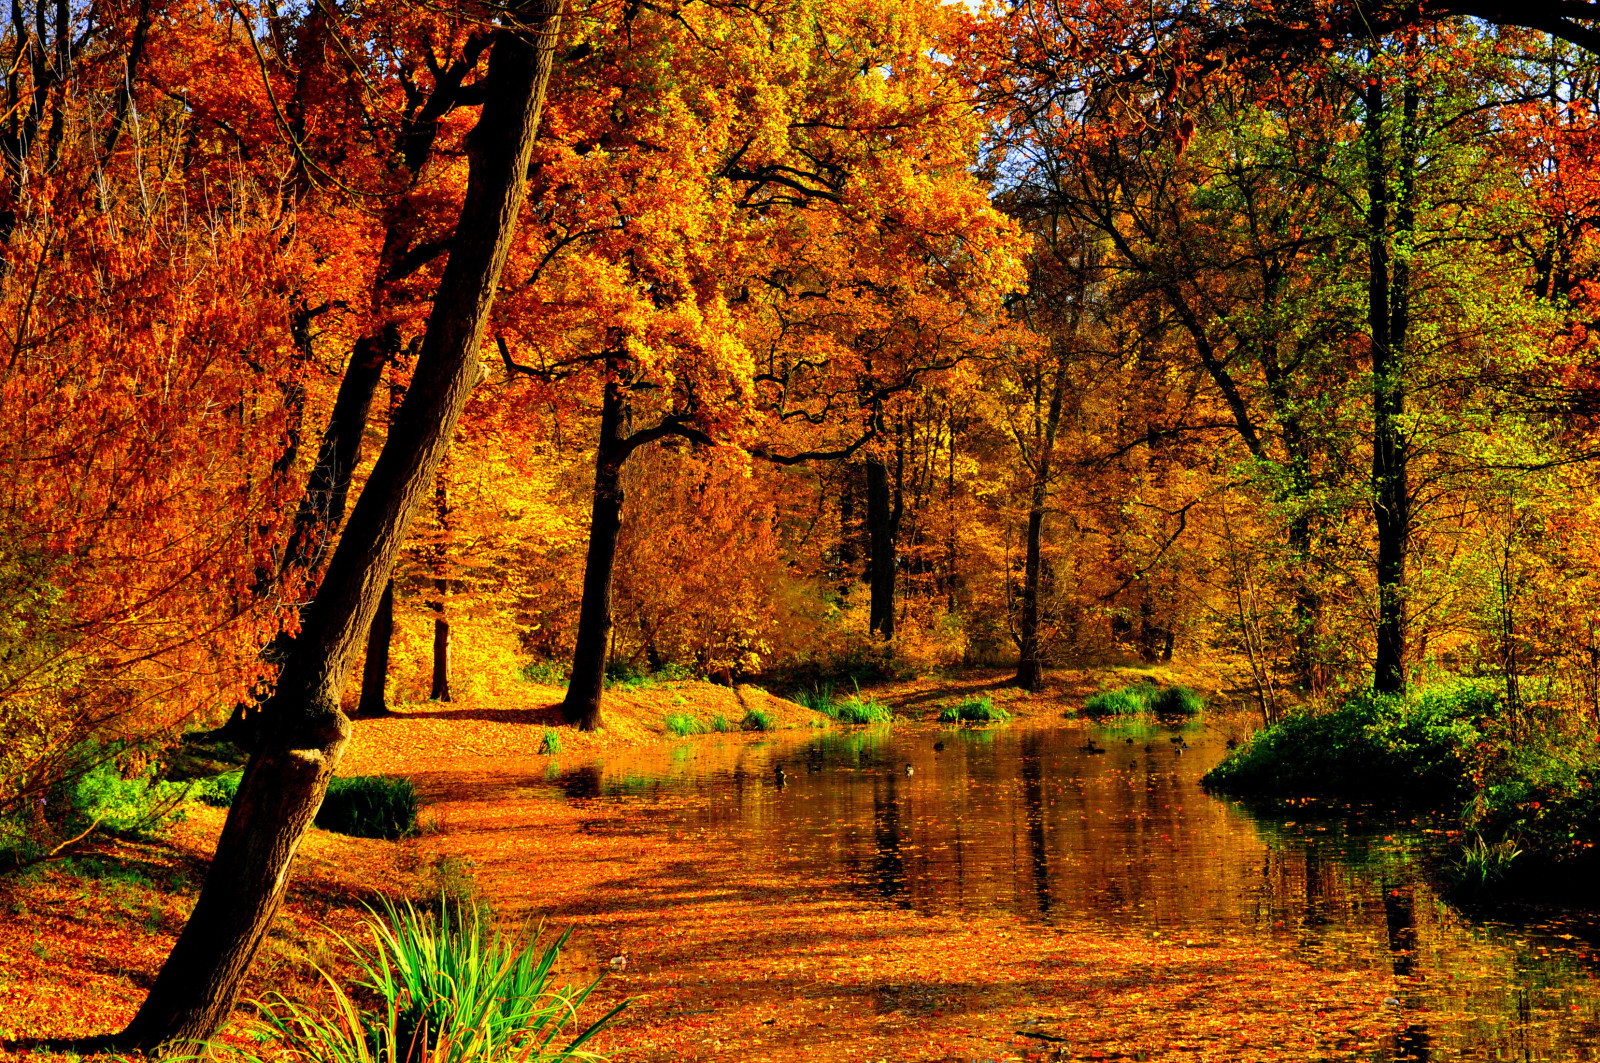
[1030, 670]
[375, 672]
[885, 507]
[1388, 318]
[582, 705]
[305, 733]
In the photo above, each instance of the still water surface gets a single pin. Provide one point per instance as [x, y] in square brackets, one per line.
[1077, 823]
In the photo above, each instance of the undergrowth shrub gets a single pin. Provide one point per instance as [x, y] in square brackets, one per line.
[448, 989]
[218, 791]
[370, 806]
[625, 675]
[974, 710]
[108, 788]
[1372, 747]
[1545, 802]
[1176, 702]
[546, 673]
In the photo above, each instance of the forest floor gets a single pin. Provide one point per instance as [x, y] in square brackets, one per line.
[722, 960]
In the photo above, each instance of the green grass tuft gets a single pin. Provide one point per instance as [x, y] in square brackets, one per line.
[1126, 701]
[720, 724]
[683, 725]
[1477, 867]
[974, 710]
[447, 989]
[758, 720]
[858, 711]
[854, 710]
[550, 744]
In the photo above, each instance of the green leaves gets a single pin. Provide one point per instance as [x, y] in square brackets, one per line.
[449, 990]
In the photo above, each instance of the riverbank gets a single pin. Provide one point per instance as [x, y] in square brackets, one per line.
[724, 958]
[1521, 800]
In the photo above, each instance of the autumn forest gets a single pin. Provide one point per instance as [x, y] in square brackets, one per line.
[571, 529]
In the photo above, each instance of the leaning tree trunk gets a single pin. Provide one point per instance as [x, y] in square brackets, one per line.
[321, 508]
[582, 705]
[305, 732]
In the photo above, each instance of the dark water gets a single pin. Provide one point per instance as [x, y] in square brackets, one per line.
[1033, 822]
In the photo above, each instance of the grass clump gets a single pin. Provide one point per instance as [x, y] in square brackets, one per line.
[683, 725]
[1478, 867]
[974, 710]
[1176, 702]
[1131, 700]
[720, 724]
[1373, 747]
[758, 720]
[817, 699]
[857, 711]
[853, 710]
[550, 744]
[448, 989]
[370, 806]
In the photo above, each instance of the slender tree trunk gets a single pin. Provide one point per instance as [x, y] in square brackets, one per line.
[1030, 670]
[305, 732]
[1306, 659]
[847, 530]
[375, 672]
[441, 660]
[1388, 318]
[441, 622]
[885, 507]
[322, 506]
[582, 705]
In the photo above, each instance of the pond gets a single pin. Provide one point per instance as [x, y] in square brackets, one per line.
[1110, 824]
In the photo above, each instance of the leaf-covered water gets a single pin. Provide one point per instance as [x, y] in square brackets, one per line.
[1111, 825]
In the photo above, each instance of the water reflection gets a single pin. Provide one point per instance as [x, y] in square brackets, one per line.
[1111, 824]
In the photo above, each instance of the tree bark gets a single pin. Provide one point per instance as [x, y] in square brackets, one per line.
[322, 506]
[441, 623]
[1030, 670]
[582, 705]
[1388, 318]
[885, 508]
[375, 672]
[441, 660]
[305, 733]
